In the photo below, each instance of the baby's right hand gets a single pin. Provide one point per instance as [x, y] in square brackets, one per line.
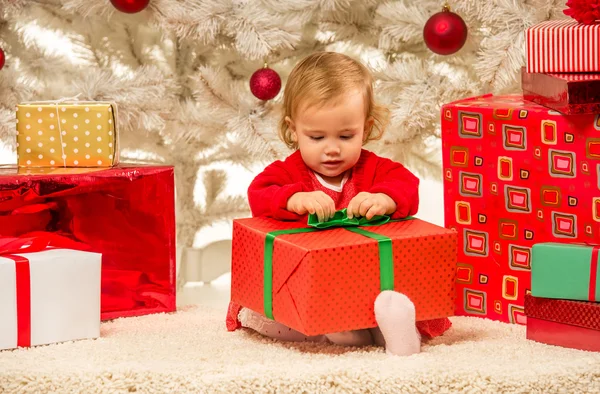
[312, 202]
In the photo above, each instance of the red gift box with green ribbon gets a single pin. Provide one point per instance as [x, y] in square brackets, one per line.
[324, 277]
[565, 271]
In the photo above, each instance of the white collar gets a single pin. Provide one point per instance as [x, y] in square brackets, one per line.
[329, 185]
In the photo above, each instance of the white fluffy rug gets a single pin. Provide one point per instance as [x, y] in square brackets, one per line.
[191, 351]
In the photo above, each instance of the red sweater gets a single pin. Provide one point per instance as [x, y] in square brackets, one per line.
[270, 190]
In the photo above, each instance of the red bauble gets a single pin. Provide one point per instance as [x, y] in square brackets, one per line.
[265, 84]
[445, 32]
[130, 6]
[1, 58]
[584, 11]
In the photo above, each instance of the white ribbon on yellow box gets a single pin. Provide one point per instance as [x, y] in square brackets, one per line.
[64, 297]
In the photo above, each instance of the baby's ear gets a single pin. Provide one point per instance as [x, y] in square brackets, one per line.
[290, 124]
[369, 124]
[368, 128]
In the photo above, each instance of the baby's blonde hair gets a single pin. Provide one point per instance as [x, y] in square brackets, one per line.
[326, 76]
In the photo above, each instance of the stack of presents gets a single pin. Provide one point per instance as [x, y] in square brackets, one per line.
[82, 237]
[522, 198]
[522, 189]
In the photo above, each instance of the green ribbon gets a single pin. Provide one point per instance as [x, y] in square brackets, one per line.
[339, 219]
[268, 265]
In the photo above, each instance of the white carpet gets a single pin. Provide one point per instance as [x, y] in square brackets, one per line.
[191, 351]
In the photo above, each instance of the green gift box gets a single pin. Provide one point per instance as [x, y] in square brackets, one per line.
[565, 271]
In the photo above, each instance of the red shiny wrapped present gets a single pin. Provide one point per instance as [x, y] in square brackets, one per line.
[573, 324]
[569, 94]
[515, 174]
[126, 213]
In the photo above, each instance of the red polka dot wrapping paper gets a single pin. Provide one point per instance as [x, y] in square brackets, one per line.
[327, 281]
[515, 174]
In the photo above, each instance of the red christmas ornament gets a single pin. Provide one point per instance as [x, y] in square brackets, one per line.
[583, 11]
[445, 32]
[130, 6]
[1, 58]
[265, 83]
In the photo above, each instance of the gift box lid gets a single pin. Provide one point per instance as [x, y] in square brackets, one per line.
[575, 77]
[566, 24]
[10, 172]
[495, 102]
[577, 313]
[25, 186]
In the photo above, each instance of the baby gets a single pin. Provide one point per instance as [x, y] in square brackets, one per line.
[329, 114]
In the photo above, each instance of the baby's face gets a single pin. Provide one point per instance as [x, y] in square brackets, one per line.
[330, 137]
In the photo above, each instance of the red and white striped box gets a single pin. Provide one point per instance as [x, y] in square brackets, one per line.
[563, 46]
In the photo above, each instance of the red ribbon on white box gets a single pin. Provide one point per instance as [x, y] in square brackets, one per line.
[30, 243]
[23, 300]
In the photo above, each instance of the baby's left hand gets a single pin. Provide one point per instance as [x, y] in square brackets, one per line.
[369, 205]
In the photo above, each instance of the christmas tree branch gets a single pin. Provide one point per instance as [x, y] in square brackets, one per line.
[400, 24]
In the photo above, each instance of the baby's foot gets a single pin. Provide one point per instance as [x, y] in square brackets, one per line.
[395, 315]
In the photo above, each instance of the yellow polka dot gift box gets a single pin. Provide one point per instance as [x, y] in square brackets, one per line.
[66, 134]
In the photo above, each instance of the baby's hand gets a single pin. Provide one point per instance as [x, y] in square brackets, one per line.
[369, 205]
[312, 202]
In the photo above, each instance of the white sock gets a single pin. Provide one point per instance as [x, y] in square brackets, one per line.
[395, 315]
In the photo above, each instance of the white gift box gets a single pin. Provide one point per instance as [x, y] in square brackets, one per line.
[64, 297]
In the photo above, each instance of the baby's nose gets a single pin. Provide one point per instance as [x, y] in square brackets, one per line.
[332, 149]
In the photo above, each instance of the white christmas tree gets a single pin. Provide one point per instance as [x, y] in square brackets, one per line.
[180, 69]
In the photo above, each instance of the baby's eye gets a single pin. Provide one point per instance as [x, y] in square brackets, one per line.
[316, 138]
[346, 137]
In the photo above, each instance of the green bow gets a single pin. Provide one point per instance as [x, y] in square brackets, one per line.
[340, 219]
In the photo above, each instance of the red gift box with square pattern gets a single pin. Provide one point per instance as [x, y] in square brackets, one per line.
[515, 174]
[326, 281]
